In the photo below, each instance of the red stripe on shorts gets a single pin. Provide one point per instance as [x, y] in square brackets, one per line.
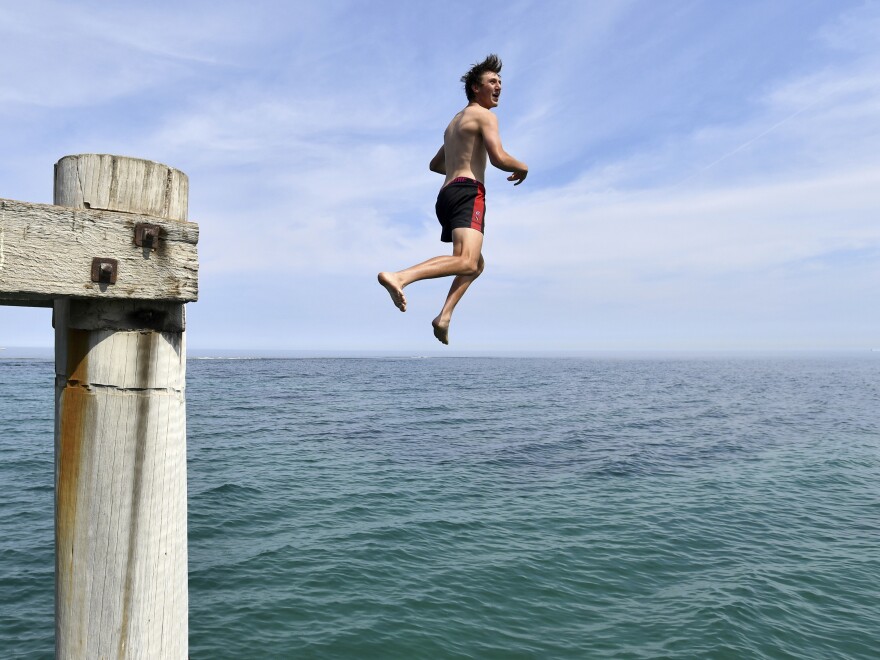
[477, 218]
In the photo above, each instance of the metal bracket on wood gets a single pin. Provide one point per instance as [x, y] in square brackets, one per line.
[104, 270]
[67, 238]
[146, 235]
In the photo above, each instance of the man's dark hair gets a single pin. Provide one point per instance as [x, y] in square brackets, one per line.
[475, 75]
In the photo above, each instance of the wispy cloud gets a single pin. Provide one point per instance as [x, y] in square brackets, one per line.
[686, 164]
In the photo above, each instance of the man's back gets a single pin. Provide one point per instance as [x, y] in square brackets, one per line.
[464, 145]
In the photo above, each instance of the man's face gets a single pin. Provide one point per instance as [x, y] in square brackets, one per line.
[489, 90]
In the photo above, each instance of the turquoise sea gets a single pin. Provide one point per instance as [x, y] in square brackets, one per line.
[663, 507]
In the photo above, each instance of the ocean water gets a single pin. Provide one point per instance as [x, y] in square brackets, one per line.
[499, 508]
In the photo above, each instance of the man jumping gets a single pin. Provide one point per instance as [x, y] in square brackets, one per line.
[471, 136]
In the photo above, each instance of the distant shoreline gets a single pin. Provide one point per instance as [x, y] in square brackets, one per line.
[47, 353]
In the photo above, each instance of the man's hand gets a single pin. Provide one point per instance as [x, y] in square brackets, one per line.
[519, 176]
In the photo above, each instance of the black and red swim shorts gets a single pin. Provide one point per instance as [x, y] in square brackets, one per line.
[461, 203]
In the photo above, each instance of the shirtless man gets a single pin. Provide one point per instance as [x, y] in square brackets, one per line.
[471, 136]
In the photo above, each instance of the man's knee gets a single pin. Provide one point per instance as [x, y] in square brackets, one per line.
[470, 267]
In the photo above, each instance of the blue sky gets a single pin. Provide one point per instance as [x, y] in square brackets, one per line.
[703, 175]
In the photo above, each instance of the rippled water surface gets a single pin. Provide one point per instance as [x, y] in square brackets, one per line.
[499, 508]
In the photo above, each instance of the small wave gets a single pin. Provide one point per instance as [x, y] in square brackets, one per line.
[229, 489]
[224, 358]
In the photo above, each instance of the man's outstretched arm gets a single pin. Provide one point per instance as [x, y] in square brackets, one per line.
[497, 156]
[438, 162]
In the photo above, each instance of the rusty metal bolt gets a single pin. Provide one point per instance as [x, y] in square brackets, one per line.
[104, 270]
[147, 235]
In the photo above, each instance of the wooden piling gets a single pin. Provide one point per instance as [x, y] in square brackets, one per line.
[120, 432]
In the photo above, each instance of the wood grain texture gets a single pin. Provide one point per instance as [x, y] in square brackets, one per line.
[46, 252]
[120, 423]
[120, 183]
[121, 550]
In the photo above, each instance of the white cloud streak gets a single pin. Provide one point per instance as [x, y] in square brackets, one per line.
[307, 150]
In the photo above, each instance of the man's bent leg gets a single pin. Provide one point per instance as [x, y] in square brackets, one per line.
[466, 247]
[459, 286]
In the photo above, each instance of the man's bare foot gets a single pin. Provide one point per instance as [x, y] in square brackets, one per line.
[441, 330]
[392, 284]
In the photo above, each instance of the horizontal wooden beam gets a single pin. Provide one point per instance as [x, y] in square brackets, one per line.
[48, 252]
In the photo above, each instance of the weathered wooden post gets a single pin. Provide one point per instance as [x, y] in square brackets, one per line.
[118, 264]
